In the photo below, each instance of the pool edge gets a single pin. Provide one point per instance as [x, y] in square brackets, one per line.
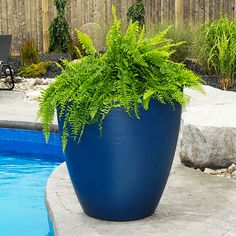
[34, 126]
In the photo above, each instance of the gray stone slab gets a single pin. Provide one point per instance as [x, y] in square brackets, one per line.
[209, 129]
[193, 203]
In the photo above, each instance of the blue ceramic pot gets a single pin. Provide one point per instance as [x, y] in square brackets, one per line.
[121, 175]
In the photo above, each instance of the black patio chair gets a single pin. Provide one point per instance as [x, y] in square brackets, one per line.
[5, 69]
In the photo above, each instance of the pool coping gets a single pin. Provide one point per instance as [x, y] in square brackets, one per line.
[36, 126]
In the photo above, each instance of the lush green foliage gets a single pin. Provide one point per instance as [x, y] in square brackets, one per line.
[59, 34]
[185, 35]
[217, 47]
[35, 70]
[137, 13]
[60, 5]
[182, 34]
[29, 52]
[133, 70]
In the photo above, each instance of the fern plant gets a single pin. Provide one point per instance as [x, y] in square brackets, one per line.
[59, 34]
[133, 70]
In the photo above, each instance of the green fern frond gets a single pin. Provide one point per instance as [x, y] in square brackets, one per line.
[87, 43]
[160, 37]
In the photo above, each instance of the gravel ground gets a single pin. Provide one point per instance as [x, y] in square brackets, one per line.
[212, 81]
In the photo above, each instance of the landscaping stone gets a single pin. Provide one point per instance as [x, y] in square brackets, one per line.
[225, 172]
[16, 79]
[209, 171]
[232, 168]
[32, 87]
[96, 33]
[40, 81]
[209, 129]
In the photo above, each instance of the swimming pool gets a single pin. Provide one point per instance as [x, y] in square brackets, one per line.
[26, 162]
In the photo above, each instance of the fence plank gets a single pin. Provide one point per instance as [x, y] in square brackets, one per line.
[234, 8]
[206, 10]
[179, 11]
[45, 23]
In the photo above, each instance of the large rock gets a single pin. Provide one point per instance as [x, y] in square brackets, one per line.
[96, 33]
[209, 129]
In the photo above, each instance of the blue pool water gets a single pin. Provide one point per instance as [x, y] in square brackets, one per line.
[26, 162]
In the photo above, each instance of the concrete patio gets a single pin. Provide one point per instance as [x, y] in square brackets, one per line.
[194, 203]
[15, 113]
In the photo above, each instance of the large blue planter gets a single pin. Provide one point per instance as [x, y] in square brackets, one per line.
[121, 175]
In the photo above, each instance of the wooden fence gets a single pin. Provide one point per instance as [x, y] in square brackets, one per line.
[31, 18]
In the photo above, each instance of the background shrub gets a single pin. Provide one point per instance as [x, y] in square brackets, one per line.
[182, 34]
[185, 34]
[137, 13]
[59, 34]
[29, 52]
[216, 43]
[35, 70]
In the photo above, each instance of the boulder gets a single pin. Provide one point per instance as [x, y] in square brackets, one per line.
[209, 129]
[96, 33]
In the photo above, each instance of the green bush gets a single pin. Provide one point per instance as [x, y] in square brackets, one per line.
[185, 34]
[137, 13]
[133, 70]
[29, 53]
[59, 34]
[182, 34]
[216, 43]
[35, 70]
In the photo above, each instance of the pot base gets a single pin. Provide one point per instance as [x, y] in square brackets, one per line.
[121, 218]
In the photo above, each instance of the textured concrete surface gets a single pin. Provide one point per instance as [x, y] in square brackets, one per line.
[13, 108]
[14, 113]
[194, 203]
[209, 129]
